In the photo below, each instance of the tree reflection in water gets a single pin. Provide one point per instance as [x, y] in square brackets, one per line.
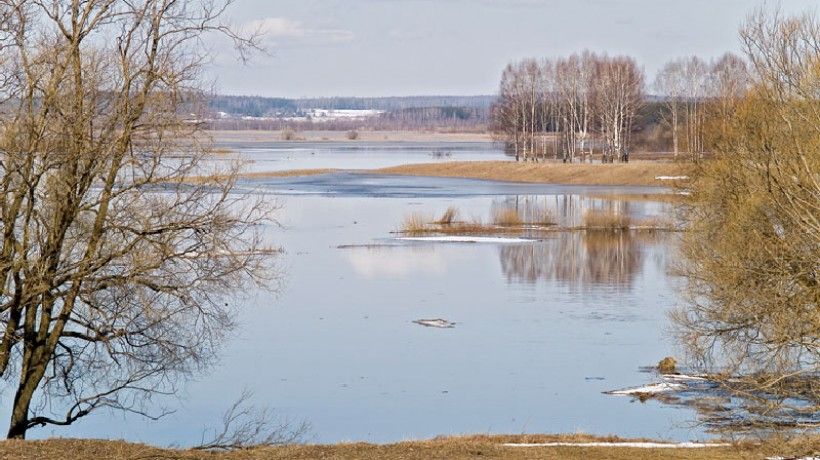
[578, 258]
[575, 257]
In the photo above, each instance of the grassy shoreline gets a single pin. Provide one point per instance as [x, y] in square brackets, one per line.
[642, 173]
[470, 447]
[636, 173]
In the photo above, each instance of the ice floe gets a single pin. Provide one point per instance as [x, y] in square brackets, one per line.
[439, 323]
[652, 388]
[466, 239]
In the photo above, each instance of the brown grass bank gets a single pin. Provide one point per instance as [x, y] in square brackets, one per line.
[475, 447]
[636, 173]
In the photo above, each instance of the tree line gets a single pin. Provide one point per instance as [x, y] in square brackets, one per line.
[573, 107]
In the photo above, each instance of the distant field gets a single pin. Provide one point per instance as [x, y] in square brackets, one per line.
[342, 136]
[441, 448]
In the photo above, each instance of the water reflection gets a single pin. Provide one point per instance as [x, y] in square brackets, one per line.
[569, 210]
[375, 262]
[577, 258]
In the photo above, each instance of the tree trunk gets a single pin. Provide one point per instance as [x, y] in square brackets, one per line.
[18, 425]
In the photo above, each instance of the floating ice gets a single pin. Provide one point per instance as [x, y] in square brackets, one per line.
[652, 388]
[439, 323]
[466, 239]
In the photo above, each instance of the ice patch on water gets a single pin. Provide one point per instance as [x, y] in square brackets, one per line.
[466, 239]
[652, 388]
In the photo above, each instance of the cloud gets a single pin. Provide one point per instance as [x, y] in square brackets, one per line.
[287, 32]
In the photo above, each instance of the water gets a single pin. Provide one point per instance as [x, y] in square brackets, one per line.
[542, 327]
[278, 156]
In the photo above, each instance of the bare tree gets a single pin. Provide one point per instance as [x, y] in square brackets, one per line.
[671, 85]
[619, 93]
[115, 269]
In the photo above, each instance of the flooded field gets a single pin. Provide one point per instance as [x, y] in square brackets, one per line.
[541, 327]
[280, 156]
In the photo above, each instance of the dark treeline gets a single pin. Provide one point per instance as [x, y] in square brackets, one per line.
[574, 107]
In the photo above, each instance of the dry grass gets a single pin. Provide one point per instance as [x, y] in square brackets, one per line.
[415, 224]
[459, 448]
[507, 217]
[636, 173]
[504, 221]
[606, 220]
[448, 217]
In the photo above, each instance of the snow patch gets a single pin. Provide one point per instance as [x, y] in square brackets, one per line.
[653, 388]
[634, 445]
[671, 177]
[792, 458]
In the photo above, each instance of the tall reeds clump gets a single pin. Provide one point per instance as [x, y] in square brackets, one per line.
[414, 224]
[507, 217]
[448, 217]
[606, 220]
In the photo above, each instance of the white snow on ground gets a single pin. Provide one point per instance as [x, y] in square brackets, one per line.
[634, 445]
[683, 377]
[671, 177]
[792, 458]
[465, 239]
[652, 388]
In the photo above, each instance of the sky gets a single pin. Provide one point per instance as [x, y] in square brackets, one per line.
[459, 47]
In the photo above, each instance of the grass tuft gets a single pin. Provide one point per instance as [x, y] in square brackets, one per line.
[414, 224]
[507, 217]
[606, 220]
[449, 216]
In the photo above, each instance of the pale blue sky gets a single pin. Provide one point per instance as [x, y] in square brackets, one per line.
[412, 47]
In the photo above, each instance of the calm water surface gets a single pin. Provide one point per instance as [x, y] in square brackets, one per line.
[278, 156]
[543, 327]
